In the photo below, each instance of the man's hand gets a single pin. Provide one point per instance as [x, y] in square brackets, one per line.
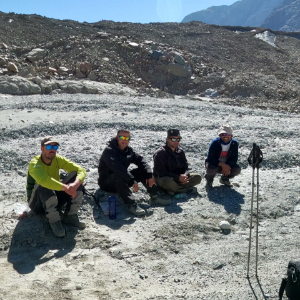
[225, 169]
[150, 182]
[71, 188]
[183, 179]
[135, 187]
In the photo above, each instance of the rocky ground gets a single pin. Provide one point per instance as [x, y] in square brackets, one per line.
[39, 55]
[175, 252]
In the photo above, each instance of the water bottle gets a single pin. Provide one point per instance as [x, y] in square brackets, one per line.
[112, 207]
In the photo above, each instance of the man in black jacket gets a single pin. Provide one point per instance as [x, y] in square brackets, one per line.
[115, 177]
[171, 167]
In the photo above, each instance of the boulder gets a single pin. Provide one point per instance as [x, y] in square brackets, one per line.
[37, 54]
[11, 67]
[27, 72]
[63, 70]
[179, 59]
[16, 85]
[224, 225]
[176, 69]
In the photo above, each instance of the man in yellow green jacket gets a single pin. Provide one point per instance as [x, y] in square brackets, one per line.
[46, 193]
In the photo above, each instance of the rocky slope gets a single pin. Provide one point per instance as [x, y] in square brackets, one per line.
[285, 17]
[41, 56]
[241, 13]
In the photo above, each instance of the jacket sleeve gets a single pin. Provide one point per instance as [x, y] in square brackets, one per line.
[161, 165]
[213, 153]
[116, 166]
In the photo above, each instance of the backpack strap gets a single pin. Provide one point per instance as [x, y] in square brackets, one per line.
[282, 287]
[86, 192]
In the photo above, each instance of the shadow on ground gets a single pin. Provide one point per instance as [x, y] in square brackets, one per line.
[228, 197]
[32, 241]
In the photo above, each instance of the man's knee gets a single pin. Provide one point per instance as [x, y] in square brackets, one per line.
[168, 183]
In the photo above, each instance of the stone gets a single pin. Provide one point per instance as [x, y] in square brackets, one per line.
[103, 35]
[179, 59]
[225, 225]
[3, 46]
[16, 85]
[27, 72]
[52, 70]
[176, 69]
[211, 93]
[37, 54]
[62, 70]
[12, 67]
[156, 54]
[93, 76]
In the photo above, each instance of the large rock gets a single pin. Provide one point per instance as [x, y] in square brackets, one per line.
[37, 54]
[16, 85]
[176, 69]
[11, 67]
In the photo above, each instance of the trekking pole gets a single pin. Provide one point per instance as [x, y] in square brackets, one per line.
[254, 159]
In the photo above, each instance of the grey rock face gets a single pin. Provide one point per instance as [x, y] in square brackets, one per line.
[36, 54]
[286, 17]
[240, 13]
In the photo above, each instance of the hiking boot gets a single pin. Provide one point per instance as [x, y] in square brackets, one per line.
[191, 190]
[209, 184]
[156, 200]
[136, 210]
[73, 220]
[225, 180]
[58, 229]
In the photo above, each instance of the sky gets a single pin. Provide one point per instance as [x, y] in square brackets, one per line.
[135, 11]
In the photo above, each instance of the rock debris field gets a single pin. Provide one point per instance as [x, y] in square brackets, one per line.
[175, 252]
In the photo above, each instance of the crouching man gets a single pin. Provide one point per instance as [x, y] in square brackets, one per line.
[115, 177]
[222, 157]
[171, 167]
[47, 194]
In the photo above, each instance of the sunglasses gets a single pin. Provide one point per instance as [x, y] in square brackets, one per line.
[124, 138]
[225, 134]
[175, 139]
[49, 147]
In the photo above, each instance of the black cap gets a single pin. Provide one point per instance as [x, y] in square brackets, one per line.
[173, 132]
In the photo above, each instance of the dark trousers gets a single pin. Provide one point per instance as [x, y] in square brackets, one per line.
[212, 171]
[114, 184]
[50, 202]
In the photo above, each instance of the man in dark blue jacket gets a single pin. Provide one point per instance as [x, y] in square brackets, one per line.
[222, 157]
[115, 177]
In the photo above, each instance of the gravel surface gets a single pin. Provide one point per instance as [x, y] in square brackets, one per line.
[175, 252]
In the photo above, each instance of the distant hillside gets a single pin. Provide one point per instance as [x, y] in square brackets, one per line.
[42, 55]
[286, 17]
[240, 13]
